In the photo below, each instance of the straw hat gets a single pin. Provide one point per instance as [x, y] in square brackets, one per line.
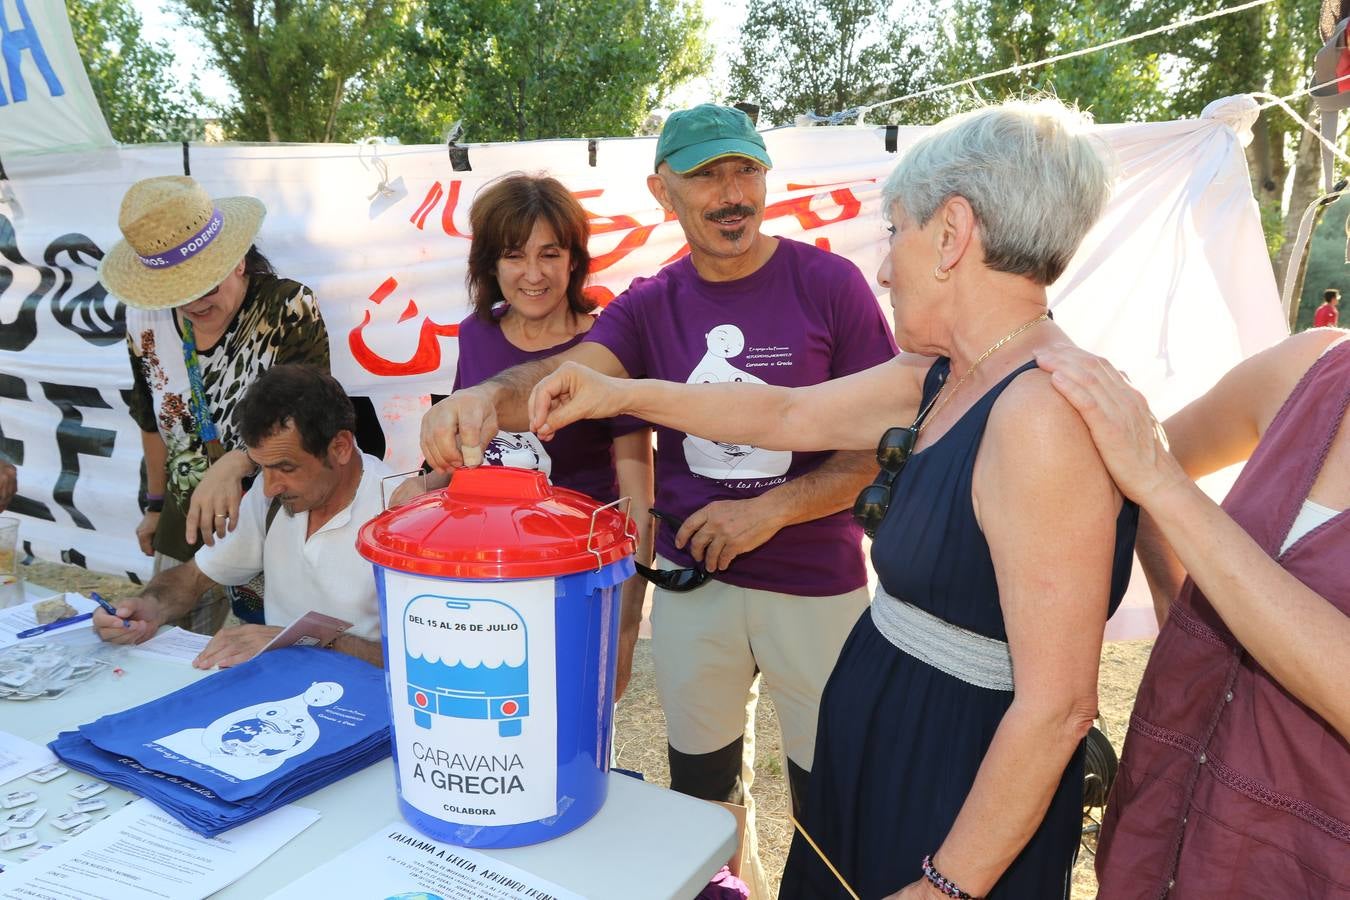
[179, 242]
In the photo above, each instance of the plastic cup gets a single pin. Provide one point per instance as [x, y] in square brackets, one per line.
[11, 580]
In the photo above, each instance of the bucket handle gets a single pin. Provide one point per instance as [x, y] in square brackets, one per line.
[629, 527]
[384, 501]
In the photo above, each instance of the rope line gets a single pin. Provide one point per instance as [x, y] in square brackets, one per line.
[1022, 67]
[1274, 101]
[1315, 132]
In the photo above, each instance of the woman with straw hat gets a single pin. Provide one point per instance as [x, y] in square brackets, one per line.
[207, 315]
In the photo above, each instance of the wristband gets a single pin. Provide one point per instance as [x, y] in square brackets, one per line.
[154, 503]
[942, 883]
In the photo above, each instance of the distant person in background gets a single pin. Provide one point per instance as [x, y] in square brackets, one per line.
[528, 266]
[9, 483]
[298, 523]
[1326, 315]
[208, 315]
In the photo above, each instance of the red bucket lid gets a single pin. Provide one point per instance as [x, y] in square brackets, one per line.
[497, 522]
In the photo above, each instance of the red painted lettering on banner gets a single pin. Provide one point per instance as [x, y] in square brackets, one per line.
[800, 207]
[429, 202]
[598, 294]
[638, 234]
[448, 214]
[425, 358]
[795, 186]
[419, 216]
[384, 290]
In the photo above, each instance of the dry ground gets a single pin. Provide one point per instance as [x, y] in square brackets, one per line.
[640, 725]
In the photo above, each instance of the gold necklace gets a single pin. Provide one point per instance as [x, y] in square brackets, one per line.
[924, 416]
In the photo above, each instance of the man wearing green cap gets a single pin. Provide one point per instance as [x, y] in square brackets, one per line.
[788, 578]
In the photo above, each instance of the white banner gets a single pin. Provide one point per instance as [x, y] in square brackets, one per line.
[46, 102]
[1174, 284]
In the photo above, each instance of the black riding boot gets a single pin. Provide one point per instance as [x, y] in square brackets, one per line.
[709, 776]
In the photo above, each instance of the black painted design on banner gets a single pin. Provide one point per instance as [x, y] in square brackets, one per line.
[73, 557]
[91, 313]
[12, 449]
[101, 319]
[74, 438]
[17, 335]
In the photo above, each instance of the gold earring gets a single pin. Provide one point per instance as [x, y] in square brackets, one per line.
[940, 273]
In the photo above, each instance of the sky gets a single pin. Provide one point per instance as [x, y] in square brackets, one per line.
[162, 24]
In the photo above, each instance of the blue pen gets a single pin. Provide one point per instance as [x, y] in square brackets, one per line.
[50, 626]
[107, 607]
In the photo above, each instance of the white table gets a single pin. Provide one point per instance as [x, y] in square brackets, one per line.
[646, 841]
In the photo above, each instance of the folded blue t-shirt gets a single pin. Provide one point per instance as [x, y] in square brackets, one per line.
[245, 732]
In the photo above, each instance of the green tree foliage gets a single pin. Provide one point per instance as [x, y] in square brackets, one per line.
[1118, 85]
[530, 69]
[826, 56]
[1175, 75]
[299, 67]
[130, 75]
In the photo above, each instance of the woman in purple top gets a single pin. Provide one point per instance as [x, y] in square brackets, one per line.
[528, 266]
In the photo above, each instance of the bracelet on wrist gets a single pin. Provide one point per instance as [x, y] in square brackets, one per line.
[942, 883]
[152, 502]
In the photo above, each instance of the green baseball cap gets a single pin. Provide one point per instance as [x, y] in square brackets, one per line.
[695, 137]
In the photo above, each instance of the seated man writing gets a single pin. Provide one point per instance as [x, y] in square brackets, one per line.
[296, 423]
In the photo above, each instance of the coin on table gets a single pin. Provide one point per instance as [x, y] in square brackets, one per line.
[47, 773]
[67, 821]
[19, 798]
[18, 839]
[25, 818]
[87, 789]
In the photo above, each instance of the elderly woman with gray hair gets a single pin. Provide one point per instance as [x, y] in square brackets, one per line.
[949, 756]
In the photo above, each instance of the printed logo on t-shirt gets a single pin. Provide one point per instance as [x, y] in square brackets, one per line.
[716, 459]
[255, 740]
[520, 449]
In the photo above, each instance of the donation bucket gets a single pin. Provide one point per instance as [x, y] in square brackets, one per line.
[499, 601]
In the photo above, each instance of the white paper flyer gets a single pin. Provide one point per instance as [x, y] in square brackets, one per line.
[140, 852]
[398, 861]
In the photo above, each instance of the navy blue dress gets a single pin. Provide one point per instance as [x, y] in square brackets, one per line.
[899, 742]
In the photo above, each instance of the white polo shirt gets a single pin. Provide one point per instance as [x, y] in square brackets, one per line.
[322, 573]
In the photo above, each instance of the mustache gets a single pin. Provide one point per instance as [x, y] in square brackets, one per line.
[728, 212]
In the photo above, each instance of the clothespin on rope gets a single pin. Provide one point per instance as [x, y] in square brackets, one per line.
[459, 156]
[382, 189]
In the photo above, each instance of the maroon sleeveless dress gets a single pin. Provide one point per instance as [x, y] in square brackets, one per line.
[1229, 787]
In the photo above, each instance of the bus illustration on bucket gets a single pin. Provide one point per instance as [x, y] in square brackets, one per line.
[466, 659]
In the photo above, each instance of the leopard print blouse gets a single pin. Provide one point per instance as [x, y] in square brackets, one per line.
[278, 322]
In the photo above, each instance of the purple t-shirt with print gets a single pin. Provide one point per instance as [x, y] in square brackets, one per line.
[580, 456]
[804, 317]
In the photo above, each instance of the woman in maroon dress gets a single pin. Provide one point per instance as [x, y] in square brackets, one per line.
[1235, 780]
